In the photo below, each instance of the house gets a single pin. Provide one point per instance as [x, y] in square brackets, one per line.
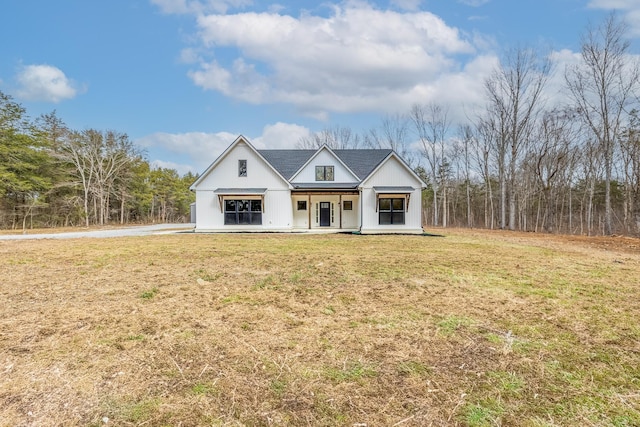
[367, 191]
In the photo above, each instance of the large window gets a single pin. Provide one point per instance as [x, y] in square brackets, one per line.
[391, 211]
[324, 173]
[243, 212]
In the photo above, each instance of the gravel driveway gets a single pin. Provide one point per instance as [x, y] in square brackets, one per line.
[144, 230]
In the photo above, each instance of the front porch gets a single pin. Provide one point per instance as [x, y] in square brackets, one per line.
[326, 210]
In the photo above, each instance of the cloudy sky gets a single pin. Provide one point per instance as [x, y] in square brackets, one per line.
[184, 77]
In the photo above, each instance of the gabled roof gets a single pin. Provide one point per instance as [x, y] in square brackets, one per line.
[393, 154]
[238, 140]
[326, 148]
[360, 162]
[287, 162]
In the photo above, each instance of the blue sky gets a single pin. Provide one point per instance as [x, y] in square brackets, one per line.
[184, 77]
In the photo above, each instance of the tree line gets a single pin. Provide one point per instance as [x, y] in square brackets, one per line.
[525, 162]
[521, 162]
[52, 176]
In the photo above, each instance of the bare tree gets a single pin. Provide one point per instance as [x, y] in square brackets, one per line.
[99, 160]
[467, 139]
[481, 154]
[431, 124]
[392, 133]
[552, 157]
[602, 87]
[117, 153]
[630, 151]
[74, 150]
[336, 137]
[514, 91]
[491, 148]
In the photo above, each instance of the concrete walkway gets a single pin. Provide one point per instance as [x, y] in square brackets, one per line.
[144, 230]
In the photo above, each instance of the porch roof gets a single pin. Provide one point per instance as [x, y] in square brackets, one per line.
[392, 190]
[240, 191]
[222, 192]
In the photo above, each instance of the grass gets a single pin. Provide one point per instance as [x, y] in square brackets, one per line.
[150, 293]
[477, 329]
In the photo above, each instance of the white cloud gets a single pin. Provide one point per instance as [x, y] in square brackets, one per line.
[281, 135]
[633, 19]
[357, 59]
[556, 93]
[189, 56]
[464, 90]
[44, 83]
[199, 149]
[614, 4]
[631, 10]
[474, 3]
[407, 4]
[181, 168]
[199, 6]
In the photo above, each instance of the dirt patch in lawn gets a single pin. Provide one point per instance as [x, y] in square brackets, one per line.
[476, 328]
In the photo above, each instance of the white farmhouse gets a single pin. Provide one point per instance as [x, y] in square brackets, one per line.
[359, 190]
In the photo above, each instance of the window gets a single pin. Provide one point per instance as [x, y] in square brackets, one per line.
[347, 205]
[243, 212]
[302, 205]
[391, 211]
[324, 173]
[242, 168]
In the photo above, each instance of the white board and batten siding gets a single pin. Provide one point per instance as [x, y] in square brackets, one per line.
[276, 207]
[300, 217]
[392, 173]
[351, 219]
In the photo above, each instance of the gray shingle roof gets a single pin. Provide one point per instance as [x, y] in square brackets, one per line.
[361, 162]
[287, 162]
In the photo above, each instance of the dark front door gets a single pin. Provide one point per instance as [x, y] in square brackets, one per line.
[325, 214]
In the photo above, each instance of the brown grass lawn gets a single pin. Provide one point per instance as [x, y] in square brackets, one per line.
[475, 328]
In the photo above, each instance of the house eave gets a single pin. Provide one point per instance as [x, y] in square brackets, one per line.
[321, 187]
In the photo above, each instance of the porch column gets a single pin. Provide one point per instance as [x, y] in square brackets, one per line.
[309, 210]
[340, 210]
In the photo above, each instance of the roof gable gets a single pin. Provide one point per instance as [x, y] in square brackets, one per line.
[361, 162]
[401, 162]
[238, 141]
[326, 157]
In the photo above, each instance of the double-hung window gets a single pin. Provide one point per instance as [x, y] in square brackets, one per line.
[242, 168]
[324, 173]
[391, 211]
[243, 212]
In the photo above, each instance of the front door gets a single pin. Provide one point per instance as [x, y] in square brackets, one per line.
[325, 214]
